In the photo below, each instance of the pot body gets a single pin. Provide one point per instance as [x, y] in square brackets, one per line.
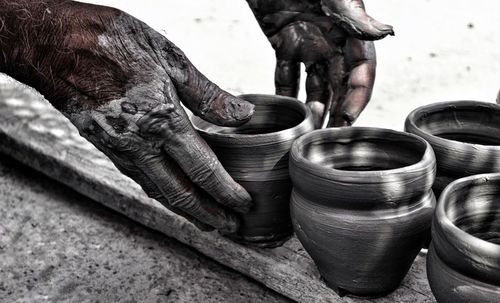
[256, 156]
[362, 205]
[463, 262]
[464, 136]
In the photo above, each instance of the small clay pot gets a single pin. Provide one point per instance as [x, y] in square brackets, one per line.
[256, 156]
[463, 262]
[362, 205]
[465, 136]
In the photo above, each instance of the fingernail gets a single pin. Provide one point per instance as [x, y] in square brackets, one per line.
[349, 118]
[241, 110]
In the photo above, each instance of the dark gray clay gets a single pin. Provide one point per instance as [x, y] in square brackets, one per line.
[463, 262]
[465, 136]
[256, 156]
[362, 204]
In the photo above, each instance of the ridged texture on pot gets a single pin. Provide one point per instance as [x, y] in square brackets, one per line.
[256, 156]
[362, 204]
[463, 262]
[465, 136]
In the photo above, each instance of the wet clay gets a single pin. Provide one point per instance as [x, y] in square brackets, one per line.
[362, 205]
[256, 156]
[463, 263]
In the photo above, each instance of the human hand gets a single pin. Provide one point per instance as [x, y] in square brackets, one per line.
[325, 36]
[122, 83]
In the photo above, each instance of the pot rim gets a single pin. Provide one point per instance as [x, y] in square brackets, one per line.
[486, 248]
[426, 161]
[282, 135]
[417, 113]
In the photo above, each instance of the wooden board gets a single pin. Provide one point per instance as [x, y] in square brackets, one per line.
[34, 133]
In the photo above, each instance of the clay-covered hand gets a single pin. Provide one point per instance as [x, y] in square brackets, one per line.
[333, 39]
[122, 84]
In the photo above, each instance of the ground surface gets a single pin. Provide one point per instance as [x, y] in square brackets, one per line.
[55, 244]
[58, 246]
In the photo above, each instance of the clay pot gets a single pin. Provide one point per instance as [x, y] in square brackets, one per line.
[362, 204]
[463, 262]
[256, 156]
[464, 135]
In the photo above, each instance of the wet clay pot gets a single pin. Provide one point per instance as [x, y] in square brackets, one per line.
[463, 262]
[465, 136]
[362, 205]
[256, 156]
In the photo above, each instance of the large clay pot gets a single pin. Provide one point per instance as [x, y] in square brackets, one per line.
[463, 262]
[465, 136]
[362, 204]
[256, 156]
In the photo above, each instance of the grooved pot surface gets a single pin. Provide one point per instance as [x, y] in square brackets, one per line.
[256, 156]
[362, 204]
[465, 136]
[463, 262]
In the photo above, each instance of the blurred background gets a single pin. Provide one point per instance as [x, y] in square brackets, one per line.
[443, 49]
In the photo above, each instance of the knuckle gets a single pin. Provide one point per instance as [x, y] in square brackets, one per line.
[185, 201]
[165, 121]
[204, 174]
[210, 94]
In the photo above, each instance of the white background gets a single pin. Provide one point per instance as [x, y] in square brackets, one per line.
[222, 38]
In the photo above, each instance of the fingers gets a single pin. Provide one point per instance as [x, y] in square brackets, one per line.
[144, 161]
[202, 166]
[193, 155]
[208, 101]
[337, 77]
[177, 192]
[317, 85]
[361, 59]
[318, 91]
[200, 95]
[153, 192]
[353, 18]
[287, 78]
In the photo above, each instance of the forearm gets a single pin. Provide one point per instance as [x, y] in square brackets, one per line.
[22, 25]
[43, 42]
[27, 36]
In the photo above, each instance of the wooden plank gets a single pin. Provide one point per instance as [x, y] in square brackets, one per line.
[34, 133]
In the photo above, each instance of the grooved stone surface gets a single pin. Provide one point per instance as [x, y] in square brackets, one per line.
[34, 133]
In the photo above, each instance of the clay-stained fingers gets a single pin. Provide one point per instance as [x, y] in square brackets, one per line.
[337, 76]
[201, 165]
[152, 190]
[318, 90]
[362, 62]
[317, 84]
[287, 78]
[211, 103]
[203, 97]
[163, 180]
[351, 15]
[170, 125]
[144, 160]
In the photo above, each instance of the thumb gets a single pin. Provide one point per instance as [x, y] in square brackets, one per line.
[351, 15]
[204, 98]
